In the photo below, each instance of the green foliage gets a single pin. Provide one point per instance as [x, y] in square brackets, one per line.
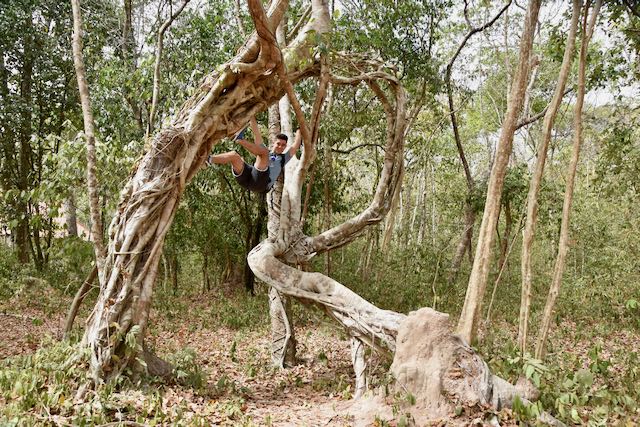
[186, 369]
[40, 382]
[575, 390]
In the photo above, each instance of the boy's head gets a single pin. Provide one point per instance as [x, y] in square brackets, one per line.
[279, 143]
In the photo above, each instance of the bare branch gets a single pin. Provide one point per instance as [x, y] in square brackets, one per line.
[473, 31]
[349, 150]
[391, 171]
[303, 19]
[447, 78]
[239, 19]
[538, 116]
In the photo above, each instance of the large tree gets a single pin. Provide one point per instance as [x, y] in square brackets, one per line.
[256, 78]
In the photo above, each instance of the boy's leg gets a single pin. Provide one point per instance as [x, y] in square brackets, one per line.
[262, 162]
[260, 151]
[237, 163]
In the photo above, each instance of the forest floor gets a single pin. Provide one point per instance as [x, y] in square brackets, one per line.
[226, 372]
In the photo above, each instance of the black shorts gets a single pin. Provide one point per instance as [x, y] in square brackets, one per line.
[253, 179]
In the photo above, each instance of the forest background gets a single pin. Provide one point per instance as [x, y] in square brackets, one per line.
[210, 317]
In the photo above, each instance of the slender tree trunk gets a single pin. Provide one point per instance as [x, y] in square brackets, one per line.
[22, 231]
[326, 223]
[504, 243]
[206, 280]
[480, 270]
[536, 179]
[87, 114]
[156, 67]
[128, 53]
[255, 234]
[464, 243]
[469, 215]
[175, 266]
[563, 242]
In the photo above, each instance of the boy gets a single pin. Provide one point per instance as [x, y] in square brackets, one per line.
[268, 165]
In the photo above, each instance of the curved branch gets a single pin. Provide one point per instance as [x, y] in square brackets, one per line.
[372, 325]
[447, 79]
[390, 175]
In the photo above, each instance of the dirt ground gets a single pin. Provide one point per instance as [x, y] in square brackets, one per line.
[241, 386]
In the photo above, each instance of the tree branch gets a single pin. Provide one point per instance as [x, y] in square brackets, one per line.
[355, 147]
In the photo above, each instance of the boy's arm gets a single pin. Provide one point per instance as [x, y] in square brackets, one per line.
[257, 148]
[257, 137]
[293, 150]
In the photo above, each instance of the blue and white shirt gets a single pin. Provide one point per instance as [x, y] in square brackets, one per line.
[276, 164]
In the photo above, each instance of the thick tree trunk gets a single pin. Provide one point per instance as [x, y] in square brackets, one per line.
[283, 340]
[563, 242]
[536, 179]
[480, 270]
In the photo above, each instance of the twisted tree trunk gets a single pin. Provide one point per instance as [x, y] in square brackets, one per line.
[223, 104]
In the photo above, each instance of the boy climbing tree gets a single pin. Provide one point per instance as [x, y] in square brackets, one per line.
[268, 165]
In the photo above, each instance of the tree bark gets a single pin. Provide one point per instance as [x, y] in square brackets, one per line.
[563, 242]
[283, 340]
[22, 231]
[536, 179]
[469, 317]
[326, 222]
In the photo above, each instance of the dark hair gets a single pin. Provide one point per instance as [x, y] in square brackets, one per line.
[282, 136]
